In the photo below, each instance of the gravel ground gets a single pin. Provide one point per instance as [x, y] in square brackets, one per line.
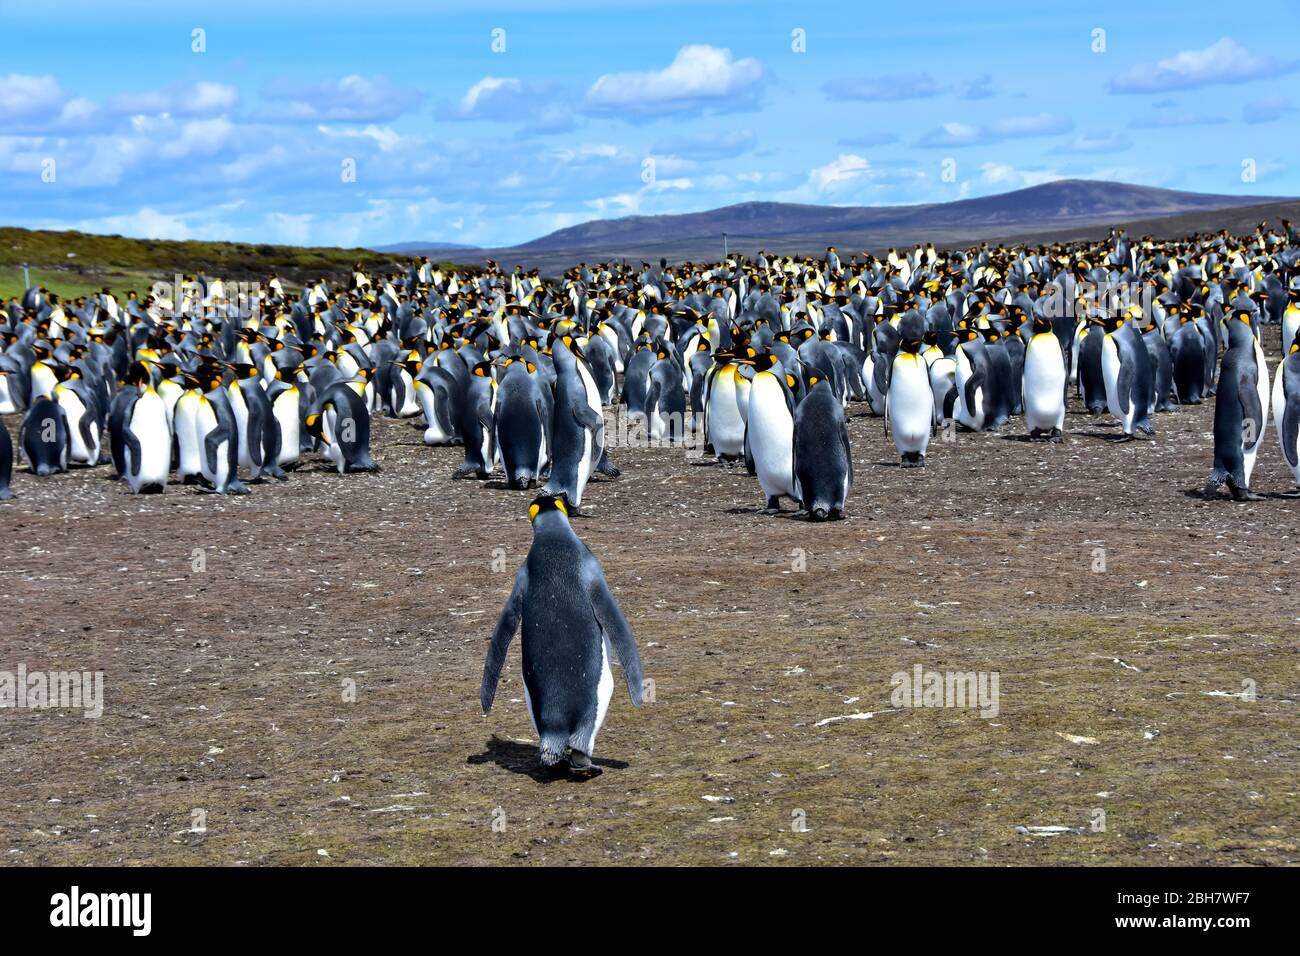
[304, 689]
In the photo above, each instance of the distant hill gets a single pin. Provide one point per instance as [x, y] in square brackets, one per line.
[791, 227]
[77, 263]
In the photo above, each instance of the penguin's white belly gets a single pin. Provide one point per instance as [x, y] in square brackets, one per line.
[189, 452]
[1110, 366]
[771, 440]
[78, 450]
[149, 426]
[286, 412]
[1251, 452]
[972, 416]
[726, 427]
[943, 376]
[1044, 386]
[1279, 416]
[911, 408]
[1290, 325]
[241, 425]
[875, 397]
[604, 692]
[43, 382]
[332, 448]
[584, 464]
[7, 405]
[410, 406]
[434, 434]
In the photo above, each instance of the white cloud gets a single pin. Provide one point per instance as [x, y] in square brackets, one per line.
[1002, 174]
[351, 99]
[194, 99]
[700, 77]
[146, 223]
[906, 86]
[486, 90]
[22, 95]
[1015, 127]
[386, 139]
[845, 170]
[1169, 120]
[1096, 142]
[1225, 61]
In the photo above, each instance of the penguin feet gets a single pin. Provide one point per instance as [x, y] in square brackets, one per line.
[1285, 494]
[1243, 494]
[1121, 439]
[580, 764]
[773, 506]
[1056, 436]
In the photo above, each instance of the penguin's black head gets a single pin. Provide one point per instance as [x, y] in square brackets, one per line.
[544, 503]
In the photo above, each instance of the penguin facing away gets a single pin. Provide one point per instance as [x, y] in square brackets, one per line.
[1239, 415]
[823, 461]
[572, 626]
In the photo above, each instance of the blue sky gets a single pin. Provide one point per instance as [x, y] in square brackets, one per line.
[498, 124]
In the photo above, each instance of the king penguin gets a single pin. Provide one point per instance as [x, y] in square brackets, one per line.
[823, 461]
[1239, 412]
[147, 440]
[1044, 382]
[909, 401]
[1126, 369]
[44, 436]
[771, 430]
[1286, 411]
[572, 626]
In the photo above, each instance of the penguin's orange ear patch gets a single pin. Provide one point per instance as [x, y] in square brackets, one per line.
[559, 505]
[532, 512]
[791, 380]
[531, 367]
[813, 380]
[480, 371]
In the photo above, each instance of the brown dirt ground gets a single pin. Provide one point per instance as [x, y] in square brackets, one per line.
[225, 687]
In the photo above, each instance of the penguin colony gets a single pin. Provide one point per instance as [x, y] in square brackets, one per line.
[757, 359]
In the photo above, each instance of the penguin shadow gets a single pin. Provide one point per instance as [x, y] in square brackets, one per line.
[500, 484]
[522, 759]
[1027, 439]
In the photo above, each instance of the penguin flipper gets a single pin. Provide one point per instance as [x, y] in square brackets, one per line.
[610, 618]
[1290, 425]
[586, 416]
[973, 384]
[1124, 386]
[1252, 411]
[504, 633]
[211, 444]
[133, 447]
